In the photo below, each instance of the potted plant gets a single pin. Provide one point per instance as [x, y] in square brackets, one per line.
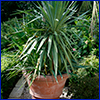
[46, 57]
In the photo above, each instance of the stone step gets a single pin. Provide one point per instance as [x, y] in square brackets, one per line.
[20, 82]
[18, 89]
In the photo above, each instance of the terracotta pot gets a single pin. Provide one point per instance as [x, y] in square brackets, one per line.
[47, 88]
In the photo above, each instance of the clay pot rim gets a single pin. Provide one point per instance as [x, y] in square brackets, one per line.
[50, 78]
[47, 76]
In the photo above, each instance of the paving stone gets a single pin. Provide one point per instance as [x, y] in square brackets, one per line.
[20, 82]
[14, 98]
[18, 89]
[16, 92]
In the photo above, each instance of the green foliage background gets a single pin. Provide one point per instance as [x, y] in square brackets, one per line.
[85, 85]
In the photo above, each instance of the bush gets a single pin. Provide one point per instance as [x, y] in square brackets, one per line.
[85, 88]
[13, 36]
[7, 85]
[93, 65]
[6, 30]
[84, 84]
[7, 33]
[86, 42]
[6, 59]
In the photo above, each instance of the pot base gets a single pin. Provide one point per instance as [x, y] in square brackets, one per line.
[42, 98]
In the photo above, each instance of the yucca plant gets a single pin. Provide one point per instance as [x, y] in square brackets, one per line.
[49, 50]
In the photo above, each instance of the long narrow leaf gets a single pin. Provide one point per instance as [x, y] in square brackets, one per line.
[67, 39]
[41, 44]
[55, 76]
[67, 56]
[66, 67]
[26, 48]
[32, 47]
[33, 20]
[49, 45]
[41, 60]
[20, 47]
[55, 57]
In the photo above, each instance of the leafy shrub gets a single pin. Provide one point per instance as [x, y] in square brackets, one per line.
[7, 85]
[86, 42]
[84, 84]
[83, 32]
[6, 30]
[85, 88]
[93, 65]
[1, 94]
[6, 59]
[13, 35]
[7, 33]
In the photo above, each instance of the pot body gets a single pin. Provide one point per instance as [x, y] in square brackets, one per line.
[47, 87]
